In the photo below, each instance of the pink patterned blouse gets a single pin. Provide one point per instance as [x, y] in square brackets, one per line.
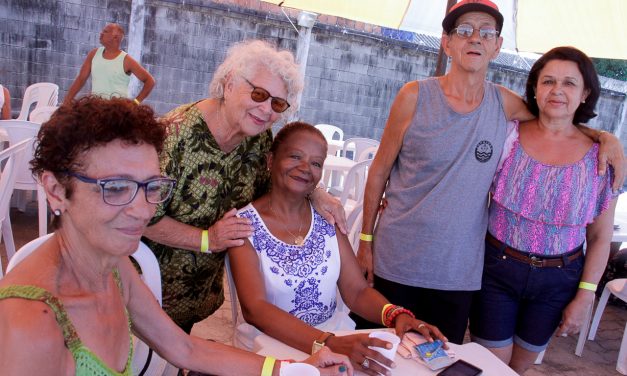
[544, 209]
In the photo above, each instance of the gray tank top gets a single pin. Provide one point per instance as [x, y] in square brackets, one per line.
[431, 234]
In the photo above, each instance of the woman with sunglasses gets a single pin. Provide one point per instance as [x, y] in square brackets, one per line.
[216, 150]
[70, 307]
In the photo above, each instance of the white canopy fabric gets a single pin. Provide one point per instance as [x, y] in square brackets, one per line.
[596, 27]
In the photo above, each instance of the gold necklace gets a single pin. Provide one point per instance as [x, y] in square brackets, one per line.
[298, 239]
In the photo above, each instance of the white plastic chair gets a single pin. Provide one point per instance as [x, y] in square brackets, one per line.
[368, 153]
[40, 94]
[17, 131]
[41, 114]
[617, 288]
[352, 192]
[235, 309]
[329, 131]
[357, 146]
[150, 275]
[11, 158]
[354, 221]
[581, 340]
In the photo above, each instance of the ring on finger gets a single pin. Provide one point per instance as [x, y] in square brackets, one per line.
[365, 363]
[422, 325]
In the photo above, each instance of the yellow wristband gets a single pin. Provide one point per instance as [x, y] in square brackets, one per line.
[204, 242]
[588, 286]
[383, 313]
[268, 366]
[137, 102]
[365, 237]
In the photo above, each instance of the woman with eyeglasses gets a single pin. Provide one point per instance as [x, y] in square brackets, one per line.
[70, 307]
[216, 150]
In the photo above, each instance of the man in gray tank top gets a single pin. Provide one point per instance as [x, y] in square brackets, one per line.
[437, 157]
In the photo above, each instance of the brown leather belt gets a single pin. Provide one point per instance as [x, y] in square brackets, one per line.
[534, 260]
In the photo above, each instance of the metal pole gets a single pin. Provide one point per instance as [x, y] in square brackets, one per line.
[306, 21]
[136, 40]
[440, 68]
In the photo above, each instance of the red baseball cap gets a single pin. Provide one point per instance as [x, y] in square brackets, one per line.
[465, 6]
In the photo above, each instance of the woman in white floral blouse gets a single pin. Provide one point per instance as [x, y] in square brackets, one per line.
[288, 271]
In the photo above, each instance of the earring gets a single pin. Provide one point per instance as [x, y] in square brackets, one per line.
[583, 101]
[57, 212]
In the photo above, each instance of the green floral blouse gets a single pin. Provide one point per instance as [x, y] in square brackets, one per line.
[209, 183]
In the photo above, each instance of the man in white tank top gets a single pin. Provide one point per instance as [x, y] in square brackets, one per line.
[110, 69]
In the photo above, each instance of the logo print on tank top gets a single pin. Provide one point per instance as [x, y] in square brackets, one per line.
[483, 151]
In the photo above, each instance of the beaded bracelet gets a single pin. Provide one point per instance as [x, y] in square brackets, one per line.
[388, 314]
[397, 313]
[393, 312]
[384, 312]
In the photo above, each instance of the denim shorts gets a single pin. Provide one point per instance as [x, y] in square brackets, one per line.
[519, 303]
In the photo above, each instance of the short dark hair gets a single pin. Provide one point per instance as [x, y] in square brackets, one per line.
[290, 129]
[92, 121]
[585, 111]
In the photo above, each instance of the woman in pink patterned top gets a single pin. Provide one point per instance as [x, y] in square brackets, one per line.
[547, 199]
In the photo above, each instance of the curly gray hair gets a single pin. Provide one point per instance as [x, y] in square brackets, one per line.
[245, 57]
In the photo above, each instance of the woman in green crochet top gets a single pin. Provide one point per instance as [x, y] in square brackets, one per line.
[68, 308]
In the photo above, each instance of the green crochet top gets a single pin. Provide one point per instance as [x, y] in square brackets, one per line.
[87, 363]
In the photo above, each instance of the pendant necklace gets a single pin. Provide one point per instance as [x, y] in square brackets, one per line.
[298, 239]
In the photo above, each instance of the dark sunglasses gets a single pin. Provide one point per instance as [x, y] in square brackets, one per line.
[260, 94]
[466, 31]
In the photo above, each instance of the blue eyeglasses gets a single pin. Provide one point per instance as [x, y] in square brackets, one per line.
[121, 191]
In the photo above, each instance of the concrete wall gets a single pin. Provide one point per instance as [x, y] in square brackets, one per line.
[352, 76]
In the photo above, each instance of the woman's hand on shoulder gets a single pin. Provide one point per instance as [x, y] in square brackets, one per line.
[229, 231]
[356, 347]
[330, 363]
[330, 208]
[611, 152]
[405, 323]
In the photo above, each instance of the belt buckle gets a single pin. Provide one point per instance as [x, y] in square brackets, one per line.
[535, 261]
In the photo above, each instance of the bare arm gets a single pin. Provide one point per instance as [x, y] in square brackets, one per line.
[229, 231]
[368, 302]
[598, 238]
[28, 348]
[610, 152]
[80, 80]
[515, 108]
[132, 66]
[400, 117]
[6, 107]
[274, 321]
